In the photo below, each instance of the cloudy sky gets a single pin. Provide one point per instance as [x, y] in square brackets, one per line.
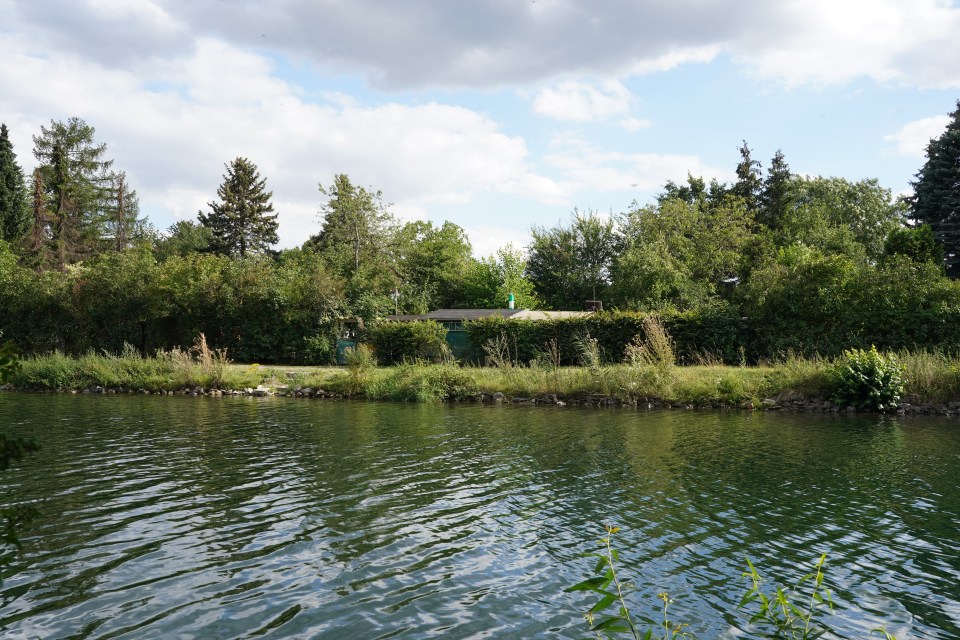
[495, 114]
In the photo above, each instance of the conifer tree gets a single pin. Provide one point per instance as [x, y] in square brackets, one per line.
[748, 185]
[774, 198]
[76, 179]
[241, 222]
[14, 214]
[936, 199]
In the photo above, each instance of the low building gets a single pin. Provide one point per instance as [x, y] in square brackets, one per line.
[453, 319]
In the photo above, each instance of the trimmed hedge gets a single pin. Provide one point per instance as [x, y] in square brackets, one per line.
[399, 342]
[715, 331]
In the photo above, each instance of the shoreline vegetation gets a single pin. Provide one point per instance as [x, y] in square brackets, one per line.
[931, 382]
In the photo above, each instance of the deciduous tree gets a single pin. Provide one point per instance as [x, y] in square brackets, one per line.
[357, 227]
[571, 264]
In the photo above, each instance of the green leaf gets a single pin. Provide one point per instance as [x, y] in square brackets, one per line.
[610, 624]
[592, 584]
[604, 602]
[601, 563]
[747, 599]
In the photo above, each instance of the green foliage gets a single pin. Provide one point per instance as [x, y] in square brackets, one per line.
[714, 329]
[183, 238]
[431, 265]
[802, 303]
[781, 612]
[868, 380]
[14, 213]
[241, 222]
[361, 361]
[679, 253]
[571, 264]
[488, 282]
[260, 308]
[610, 589]
[748, 184]
[775, 197]
[397, 342]
[9, 364]
[76, 187]
[936, 199]
[357, 232]
[917, 243]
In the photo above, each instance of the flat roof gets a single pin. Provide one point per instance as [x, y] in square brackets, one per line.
[461, 315]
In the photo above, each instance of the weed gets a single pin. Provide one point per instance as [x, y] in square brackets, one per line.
[868, 380]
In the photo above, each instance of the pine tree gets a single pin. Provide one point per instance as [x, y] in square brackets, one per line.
[936, 199]
[241, 221]
[76, 179]
[748, 185]
[14, 214]
[774, 198]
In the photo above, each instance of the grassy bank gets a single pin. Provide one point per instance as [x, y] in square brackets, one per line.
[930, 378]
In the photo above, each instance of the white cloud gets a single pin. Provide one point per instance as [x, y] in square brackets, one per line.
[483, 43]
[173, 131]
[633, 124]
[486, 239]
[912, 138]
[588, 168]
[578, 101]
[911, 42]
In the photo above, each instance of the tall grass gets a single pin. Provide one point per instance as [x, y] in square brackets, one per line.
[931, 377]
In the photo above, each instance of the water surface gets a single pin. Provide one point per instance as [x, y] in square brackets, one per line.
[278, 518]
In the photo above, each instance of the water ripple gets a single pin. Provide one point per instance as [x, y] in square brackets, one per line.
[239, 518]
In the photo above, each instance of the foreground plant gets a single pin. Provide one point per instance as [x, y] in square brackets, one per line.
[868, 380]
[782, 614]
[611, 589]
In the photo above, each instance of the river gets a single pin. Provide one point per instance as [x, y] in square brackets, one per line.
[279, 518]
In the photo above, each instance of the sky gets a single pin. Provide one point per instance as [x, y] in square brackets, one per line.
[497, 115]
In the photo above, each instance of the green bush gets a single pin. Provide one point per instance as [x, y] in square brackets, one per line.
[867, 380]
[398, 342]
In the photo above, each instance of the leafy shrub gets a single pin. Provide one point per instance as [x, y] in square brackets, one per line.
[319, 349]
[867, 380]
[397, 342]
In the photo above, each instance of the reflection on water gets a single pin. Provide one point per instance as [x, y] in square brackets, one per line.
[267, 518]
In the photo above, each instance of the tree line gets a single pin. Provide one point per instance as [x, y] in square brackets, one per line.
[81, 269]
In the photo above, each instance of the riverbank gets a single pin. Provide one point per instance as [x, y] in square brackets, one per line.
[932, 382]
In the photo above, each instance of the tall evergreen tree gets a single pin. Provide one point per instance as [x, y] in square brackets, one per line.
[748, 185]
[241, 222]
[936, 199]
[76, 178]
[774, 197]
[14, 213]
